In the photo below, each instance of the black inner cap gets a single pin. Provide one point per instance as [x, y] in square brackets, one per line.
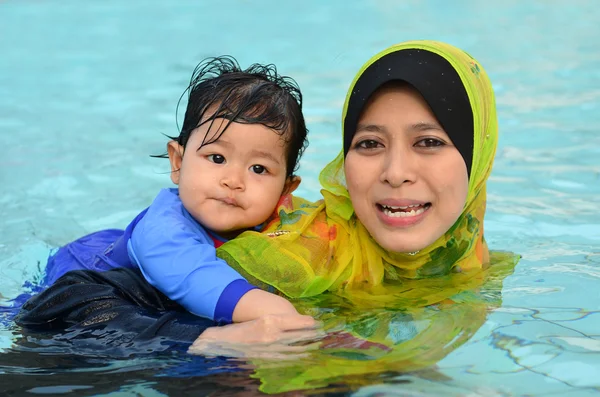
[436, 80]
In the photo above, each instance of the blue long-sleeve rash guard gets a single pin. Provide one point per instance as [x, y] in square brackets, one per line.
[178, 257]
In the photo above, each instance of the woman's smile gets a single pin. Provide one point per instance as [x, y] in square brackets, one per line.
[402, 215]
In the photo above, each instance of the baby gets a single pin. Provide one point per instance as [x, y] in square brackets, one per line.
[242, 137]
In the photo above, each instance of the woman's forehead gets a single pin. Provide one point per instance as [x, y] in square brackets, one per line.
[397, 104]
[433, 76]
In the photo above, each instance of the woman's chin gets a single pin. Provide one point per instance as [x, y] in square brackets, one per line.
[403, 248]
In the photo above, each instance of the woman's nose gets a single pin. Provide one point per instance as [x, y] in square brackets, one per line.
[398, 168]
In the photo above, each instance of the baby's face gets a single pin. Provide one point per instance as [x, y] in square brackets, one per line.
[234, 183]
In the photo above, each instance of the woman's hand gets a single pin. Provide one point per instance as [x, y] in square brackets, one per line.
[270, 336]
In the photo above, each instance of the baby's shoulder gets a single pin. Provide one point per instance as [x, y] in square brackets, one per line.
[166, 216]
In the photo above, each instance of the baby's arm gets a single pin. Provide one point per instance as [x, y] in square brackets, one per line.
[177, 256]
[185, 267]
[257, 303]
[181, 262]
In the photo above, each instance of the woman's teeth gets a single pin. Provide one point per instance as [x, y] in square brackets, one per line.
[404, 212]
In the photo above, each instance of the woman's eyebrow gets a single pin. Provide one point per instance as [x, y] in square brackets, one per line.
[416, 127]
[371, 128]
[423, 126]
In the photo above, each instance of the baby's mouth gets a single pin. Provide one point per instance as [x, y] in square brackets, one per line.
[229, 201]
[403, 211]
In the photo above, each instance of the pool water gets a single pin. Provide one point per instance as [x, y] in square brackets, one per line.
[88, 90]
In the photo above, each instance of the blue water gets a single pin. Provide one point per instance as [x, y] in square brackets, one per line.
[88, 88]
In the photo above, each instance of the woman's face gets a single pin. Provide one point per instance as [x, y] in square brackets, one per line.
[407, 182]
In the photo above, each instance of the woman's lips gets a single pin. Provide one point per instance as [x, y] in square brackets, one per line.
[407, 214]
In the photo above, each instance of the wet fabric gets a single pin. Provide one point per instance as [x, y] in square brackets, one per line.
[100, 251]
[364, 342]
[112, 309]
[309, 248]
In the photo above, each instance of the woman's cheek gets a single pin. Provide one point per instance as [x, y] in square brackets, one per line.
[360, 171]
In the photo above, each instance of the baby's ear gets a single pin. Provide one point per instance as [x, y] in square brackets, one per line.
[291, 184]
[175, 151]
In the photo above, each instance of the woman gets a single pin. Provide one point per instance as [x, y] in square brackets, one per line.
[404, 201]
[400, 225]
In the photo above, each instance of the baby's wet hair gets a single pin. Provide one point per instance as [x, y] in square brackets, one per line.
[219, 88]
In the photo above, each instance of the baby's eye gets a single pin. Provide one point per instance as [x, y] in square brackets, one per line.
[429, 143]
[258, 169]
[367, 144]
[216, 158]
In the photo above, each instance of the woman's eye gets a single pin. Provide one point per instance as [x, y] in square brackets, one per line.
[429, 143]
[367, 144]
[216, 158]
[258, 169]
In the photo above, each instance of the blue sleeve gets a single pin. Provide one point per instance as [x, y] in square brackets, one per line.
[177, 256]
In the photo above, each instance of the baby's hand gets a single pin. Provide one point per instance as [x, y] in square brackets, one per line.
[282, 336]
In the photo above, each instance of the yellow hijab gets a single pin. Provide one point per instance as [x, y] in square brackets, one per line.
[308, 248]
